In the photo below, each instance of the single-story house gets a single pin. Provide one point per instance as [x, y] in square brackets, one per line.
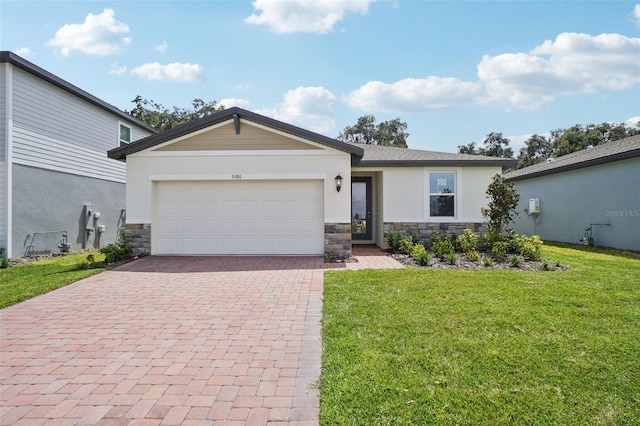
[597, 188]
[240, 183]
[56, 182]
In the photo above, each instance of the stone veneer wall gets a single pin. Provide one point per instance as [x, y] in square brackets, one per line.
[423, 230]
[337, 240]
[139, 237]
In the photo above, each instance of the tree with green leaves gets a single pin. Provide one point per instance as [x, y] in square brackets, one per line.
[366, 131]
[501, 210]
[536, 149]
[162, 118]
[494, 145]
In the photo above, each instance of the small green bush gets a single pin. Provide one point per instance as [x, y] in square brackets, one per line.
[487, 261]
[499, 250]
[420, 255]
[515, 261]
[393, 241]
[452, 258]
[4, 263]
[117, 252]
[437, 237]
[443, 248]
[529, 247]
[82, 266]
[472, 255]
[468, 241]
[546, 266]
[406, 245]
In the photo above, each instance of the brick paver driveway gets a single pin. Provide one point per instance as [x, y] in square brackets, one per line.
[169, 340]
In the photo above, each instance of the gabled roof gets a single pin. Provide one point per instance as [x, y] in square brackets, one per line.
[17, 61]
[388, 156]
[600, 154]
[234, 113]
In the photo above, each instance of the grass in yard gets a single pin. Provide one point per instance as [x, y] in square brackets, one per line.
[416, 347]
[22, 282]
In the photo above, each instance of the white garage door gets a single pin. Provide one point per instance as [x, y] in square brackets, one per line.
[239, 217]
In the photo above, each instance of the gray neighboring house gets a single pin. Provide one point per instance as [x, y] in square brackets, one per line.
[54, 172]
[597, 188]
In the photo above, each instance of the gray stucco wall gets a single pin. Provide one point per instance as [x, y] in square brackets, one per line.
[570, 201]
[45, 200]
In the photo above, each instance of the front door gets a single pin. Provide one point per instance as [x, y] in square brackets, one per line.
[361, 219]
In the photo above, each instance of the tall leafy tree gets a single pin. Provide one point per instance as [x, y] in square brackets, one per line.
[536, 149]
[493, 145]
[366, 131]
[163, 118]
[501, 210]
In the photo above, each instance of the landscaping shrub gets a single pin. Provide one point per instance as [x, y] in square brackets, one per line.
[487, 261]
[117, 252]
[472, 255]
[442, 248]
[468, 241]
[515, 261]
[501, 209]
[393, 241]
[452, 258]
[499, 250]
[529, 247]
[437, 237]
[406, 245]
[420, 255]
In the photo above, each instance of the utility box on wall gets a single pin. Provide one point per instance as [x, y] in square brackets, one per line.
[534, 206]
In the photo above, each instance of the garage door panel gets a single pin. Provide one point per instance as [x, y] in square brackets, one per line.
[246, 217]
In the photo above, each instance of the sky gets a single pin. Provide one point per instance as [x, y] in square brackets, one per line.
[454, 71]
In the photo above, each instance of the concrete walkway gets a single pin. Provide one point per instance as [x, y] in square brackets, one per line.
[172, 340]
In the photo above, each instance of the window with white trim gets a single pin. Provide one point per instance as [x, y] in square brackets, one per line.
[442, 194]
[125, 135]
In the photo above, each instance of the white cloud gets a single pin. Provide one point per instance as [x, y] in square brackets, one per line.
[414, 94]
[318, 16]
[634, 121]
[23, 51]
[307, 107]
[162, 47]
[99, 35]
[569, 65]
[169, 72]
[117, 70]
[234, 102]
[636, 15]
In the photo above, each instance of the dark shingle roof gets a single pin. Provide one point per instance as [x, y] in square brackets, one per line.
[388, 156]
[604, 153]
[228, 114]
[15, 60]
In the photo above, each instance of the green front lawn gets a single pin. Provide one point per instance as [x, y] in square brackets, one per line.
[22, 282]
[417, 347]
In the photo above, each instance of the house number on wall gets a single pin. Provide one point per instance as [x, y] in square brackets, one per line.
[236, 176]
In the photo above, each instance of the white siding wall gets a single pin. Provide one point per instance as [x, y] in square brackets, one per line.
[3, 157]
[56, 130]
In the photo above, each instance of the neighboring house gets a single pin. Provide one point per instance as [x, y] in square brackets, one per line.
[54, 172]
[240, 183]
[597, 188]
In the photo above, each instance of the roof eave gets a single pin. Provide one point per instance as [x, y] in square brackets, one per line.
[228, 114]
[575, 166]
[504, 164]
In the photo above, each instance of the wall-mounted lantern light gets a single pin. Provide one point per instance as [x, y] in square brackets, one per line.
[338, 182]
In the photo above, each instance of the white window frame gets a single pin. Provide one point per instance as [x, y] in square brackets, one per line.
[122, 142]
[429, 194]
